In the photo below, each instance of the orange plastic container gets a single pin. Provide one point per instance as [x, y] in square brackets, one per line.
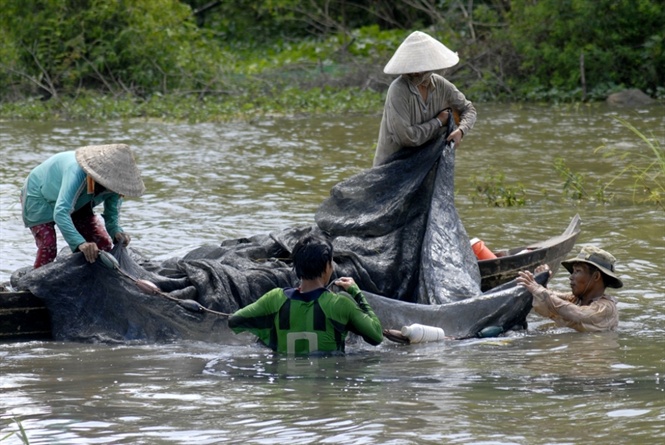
[481, 250]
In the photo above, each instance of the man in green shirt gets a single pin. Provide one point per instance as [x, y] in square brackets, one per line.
[310, 318]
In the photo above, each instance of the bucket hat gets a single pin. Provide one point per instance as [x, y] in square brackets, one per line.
[604, 261]
[419, 53]
[112, 166]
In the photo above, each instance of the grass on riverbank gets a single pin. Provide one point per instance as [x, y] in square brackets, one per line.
[308, 77]
[332, 76]
[245, 105]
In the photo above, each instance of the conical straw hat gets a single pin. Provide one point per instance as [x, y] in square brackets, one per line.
[419, 53]
[112, 166]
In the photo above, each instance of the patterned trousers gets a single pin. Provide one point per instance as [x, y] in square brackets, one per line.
[87, 224]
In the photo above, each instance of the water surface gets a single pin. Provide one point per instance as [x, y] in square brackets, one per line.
[210, 182]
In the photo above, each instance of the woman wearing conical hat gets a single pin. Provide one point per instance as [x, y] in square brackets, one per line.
[419, 102]
[65, 188]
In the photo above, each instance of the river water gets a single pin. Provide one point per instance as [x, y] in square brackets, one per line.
[210, 182]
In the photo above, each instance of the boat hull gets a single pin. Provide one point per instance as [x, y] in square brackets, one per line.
[23, 317]
[496, 272]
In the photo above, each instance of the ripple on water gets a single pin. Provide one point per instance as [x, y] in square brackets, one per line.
[212, 182]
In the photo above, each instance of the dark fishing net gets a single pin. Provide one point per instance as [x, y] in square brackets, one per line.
[395, 230]
[399, 225]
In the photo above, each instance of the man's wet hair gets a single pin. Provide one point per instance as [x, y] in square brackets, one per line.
[311, 255]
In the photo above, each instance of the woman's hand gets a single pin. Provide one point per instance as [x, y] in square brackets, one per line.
[122, 237]
[456, 136]
[443, 117]
[90, 251]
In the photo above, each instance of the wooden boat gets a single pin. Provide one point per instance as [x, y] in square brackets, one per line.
[24, 316]
[504, 268]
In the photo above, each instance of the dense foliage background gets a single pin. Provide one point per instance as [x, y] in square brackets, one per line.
[244, 55]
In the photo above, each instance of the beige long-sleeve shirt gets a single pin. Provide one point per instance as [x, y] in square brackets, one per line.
[408, 121]
[565, 310]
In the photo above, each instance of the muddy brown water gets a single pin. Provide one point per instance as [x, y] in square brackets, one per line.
[210, 182]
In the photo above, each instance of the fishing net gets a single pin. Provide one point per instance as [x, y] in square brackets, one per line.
[394, 228]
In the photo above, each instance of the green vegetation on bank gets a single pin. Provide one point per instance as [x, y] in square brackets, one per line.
[207, 60]
[190, 108]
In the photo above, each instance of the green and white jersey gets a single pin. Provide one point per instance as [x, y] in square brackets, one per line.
[291, 322]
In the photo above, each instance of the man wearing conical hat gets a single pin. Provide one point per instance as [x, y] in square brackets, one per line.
[64, 189]
[419, 102]
[588, 308]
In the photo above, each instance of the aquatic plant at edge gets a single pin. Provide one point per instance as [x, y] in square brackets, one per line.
[20, 433]
[497, 193]
[647, 169]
